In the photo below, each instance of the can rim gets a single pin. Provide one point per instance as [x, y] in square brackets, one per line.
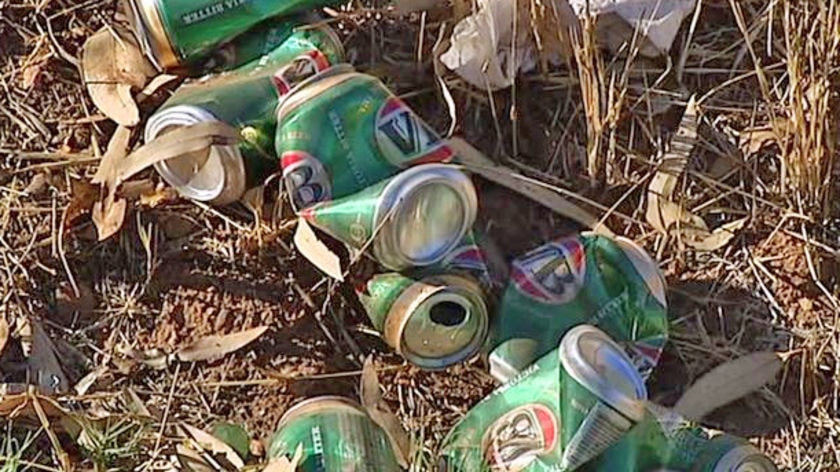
[334, 401]
[313, 86]
[580, 369]
[147, 23]
[385, 248]
[423, 292]
[745, 454]
[233, 183]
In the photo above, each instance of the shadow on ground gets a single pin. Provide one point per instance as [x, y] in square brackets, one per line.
[711, 324]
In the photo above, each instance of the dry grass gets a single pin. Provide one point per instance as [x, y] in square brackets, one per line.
[766, 78]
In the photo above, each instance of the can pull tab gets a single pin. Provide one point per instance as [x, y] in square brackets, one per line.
[303, 67]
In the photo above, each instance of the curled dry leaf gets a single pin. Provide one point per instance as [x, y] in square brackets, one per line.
[214, 445]
[474, 161]
[727, 383]
[669, 217]
[214, 347]
[313, 249]
[381, 413]
[111, 160]
[662, 212]
[156, 84]
[113, 65]
[108, 216]
[4, 333]
[178, 142]
[192, 461]
[17, 402]
[283, 464]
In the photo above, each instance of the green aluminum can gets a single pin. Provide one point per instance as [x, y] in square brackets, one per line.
[180, 34]
[472, 257]
[336, 435]
[583, 407]
[665, 441]
[558, 414]
[610, 283]
[413, 219]
[433, 322]
[275, 43]
[247, 100]
[342, 131]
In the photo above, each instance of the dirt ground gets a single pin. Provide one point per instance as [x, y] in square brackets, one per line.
[178, 272]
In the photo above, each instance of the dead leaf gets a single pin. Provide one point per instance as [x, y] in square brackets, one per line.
[17, 402]
[135, 405]
[156, 84]
[37, 185]
[158, 197]
[283, 464]
[727, 383]
[190, 460]
[474, 161]
[44, 366]
[83, 385]
[382, 415]
[660, 214]
[111, 160]
[669, 217]
[4, 333]
[113, 64]
[84, 197]
[181, 141]
[116, 102]
[753, 140]
[108, 216]
[30, 75]
[214, 347]
[313, 249]
[215, 446]
[719, 238]
[133, 66]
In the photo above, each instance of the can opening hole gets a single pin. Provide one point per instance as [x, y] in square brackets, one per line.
[448, 314]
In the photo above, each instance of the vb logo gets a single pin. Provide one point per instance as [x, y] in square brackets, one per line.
[404, 139]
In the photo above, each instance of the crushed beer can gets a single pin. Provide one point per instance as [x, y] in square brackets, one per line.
[588, 278]
[473, 256]
[178, 34]
[433, 322]
[664, 441]
[245, 99]
[560, 413]
[584, 407]
[342, 131]
[334, 434]
[413, 219]
[276, 43]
